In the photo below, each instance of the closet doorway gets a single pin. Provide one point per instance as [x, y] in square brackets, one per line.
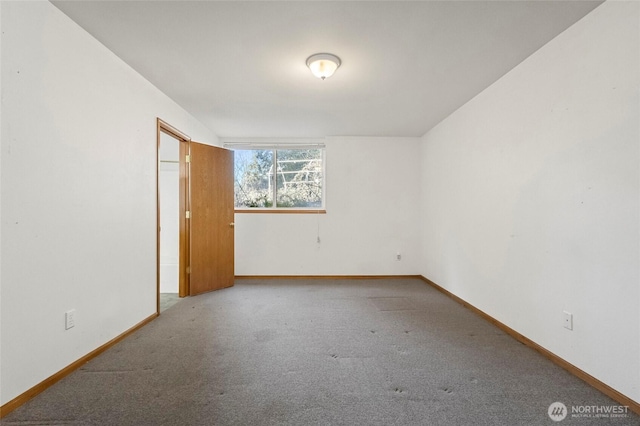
[195, 252]
[173, 226]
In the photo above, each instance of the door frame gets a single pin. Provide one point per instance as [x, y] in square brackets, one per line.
[184, 197]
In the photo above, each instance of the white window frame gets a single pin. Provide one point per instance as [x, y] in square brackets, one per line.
[245, 144]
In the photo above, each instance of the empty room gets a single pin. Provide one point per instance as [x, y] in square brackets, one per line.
[320, 212]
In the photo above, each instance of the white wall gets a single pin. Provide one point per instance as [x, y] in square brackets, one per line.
[78, 193]
[531, 197]
[372, 199]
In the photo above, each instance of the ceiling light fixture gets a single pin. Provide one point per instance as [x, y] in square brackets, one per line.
[323, 65]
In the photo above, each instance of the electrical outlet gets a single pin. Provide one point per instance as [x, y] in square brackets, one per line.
[69, 319]
[568, 320]
[398, 256]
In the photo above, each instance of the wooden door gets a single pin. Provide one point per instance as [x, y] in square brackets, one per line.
[211, 216]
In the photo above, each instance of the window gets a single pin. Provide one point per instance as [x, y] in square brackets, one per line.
[279, 178]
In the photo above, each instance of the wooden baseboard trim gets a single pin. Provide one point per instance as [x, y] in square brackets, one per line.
[26, 396]
[586, 377]
[323, 277]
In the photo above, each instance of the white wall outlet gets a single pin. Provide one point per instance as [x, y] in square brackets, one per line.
[398, 256]
[568, 320]
[69, 319]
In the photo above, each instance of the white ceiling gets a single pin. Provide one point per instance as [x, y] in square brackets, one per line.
[239, 67]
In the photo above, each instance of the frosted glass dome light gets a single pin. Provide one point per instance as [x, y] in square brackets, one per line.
[323, 65]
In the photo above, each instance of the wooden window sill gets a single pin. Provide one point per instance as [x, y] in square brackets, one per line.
[282, 211]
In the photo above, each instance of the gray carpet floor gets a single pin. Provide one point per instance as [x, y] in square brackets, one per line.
[317, 352]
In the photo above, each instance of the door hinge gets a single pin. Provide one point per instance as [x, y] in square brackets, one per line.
[188, 214]
[187, 158]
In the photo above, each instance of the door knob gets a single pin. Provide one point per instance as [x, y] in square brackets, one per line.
[232, 224]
